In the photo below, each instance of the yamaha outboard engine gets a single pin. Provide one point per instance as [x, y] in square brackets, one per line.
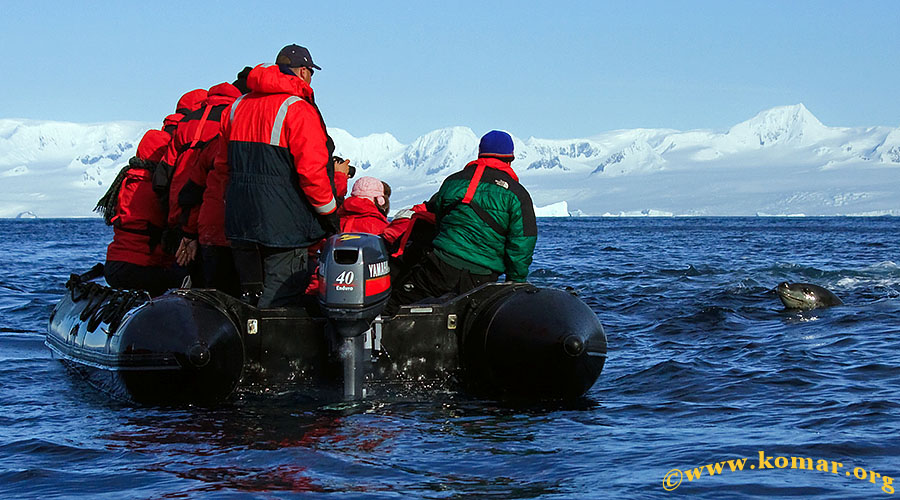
[354, 286]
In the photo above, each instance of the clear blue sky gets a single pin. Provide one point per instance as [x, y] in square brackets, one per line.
[545, 69]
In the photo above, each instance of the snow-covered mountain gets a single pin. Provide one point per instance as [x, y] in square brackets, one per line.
[57, 169]
[783, 161]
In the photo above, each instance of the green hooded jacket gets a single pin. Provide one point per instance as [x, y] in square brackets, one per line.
[495, 230]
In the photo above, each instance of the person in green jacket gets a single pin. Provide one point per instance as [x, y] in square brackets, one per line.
[486, 227]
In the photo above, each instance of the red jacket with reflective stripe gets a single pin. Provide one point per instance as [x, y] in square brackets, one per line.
[194, 133]
[279, 163]
[140, 217]
[211, 221]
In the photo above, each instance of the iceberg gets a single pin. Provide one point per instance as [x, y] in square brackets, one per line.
[560, 209]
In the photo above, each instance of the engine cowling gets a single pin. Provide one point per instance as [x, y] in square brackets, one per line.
[354, 281]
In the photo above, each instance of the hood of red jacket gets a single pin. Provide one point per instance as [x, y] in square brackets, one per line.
[496, 164]
[223, 93]
[172, 119]
[191, 101]
[268, 79]
[355, 205]
[153, 145]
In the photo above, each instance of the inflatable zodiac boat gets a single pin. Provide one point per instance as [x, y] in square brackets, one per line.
[511, 341]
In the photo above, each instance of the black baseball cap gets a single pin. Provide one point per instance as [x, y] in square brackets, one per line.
[295, 56]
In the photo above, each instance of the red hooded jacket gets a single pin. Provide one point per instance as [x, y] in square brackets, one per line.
[190, 101]
[139, 219]
[195, 131]
[281, 174]
[360, 215]
[170, 123]
[211, 220]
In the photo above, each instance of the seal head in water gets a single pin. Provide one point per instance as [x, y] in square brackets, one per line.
[805, 296]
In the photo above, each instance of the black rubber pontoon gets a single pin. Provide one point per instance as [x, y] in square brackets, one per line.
[501, 340]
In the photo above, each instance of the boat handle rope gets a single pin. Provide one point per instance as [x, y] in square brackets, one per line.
[96, 296]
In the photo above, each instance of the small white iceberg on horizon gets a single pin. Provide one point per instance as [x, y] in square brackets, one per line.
[559, 209]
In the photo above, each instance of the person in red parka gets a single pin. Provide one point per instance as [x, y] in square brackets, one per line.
[190, 101]
[365, 211]
[193, 135]
[215, 250]
[208, 219]
[135, 258]
[281, 195]
[170, 123]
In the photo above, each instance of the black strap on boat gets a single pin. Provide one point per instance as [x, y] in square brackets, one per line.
[77, 282]
[105, 305]
[92, 273]
[96, 297]
[114, 310]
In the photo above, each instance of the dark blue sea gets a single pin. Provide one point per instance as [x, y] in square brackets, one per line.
[705, 367]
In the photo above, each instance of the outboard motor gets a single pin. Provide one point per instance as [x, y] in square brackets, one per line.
[354, 287]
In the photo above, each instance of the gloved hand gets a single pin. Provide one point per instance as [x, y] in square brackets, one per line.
[404, 213]
[331, 223]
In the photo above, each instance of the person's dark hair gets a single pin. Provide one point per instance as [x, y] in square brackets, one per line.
[387, 198]
[108, 204]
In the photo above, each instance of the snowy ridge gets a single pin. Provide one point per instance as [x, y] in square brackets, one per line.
[60, 169]
[783, 161]
[28, 142]
[639, 156]
[438, 152]
[782, 125]
[376, 147]
[889, 149]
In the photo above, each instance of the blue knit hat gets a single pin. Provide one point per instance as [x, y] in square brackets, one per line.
[496, 144]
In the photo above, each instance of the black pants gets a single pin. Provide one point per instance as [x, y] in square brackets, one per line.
[432, 277]
[278, 275]
[219, 271]
[128, 276]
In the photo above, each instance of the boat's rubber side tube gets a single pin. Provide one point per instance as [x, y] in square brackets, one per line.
[183, 347]
[535, 343]
[199, 334]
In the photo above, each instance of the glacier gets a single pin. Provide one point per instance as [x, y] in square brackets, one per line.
[781, 162]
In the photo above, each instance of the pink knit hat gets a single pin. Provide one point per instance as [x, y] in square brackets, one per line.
[369, 188]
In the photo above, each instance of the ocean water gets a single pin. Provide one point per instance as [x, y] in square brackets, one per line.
[705, 367]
